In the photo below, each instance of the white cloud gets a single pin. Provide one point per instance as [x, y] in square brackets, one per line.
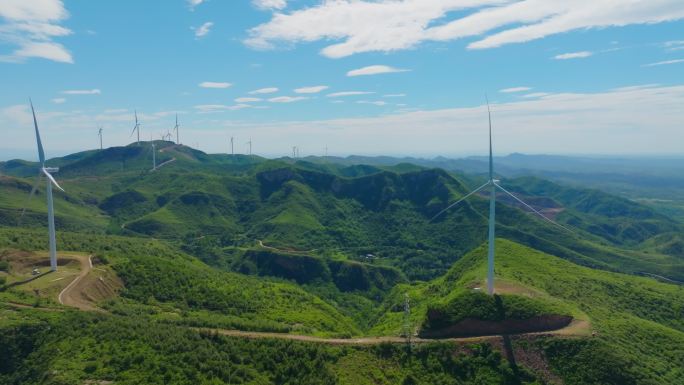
[287, 99]
[535, 95]
[375, 70]
[666, 62]
[204, 29]
[94, 91]
[208, 108]
[58, 100]
[573, 55]
[393, 95]
[247, 100]
[268, 90]
[348, 93]
[638, 119]
[514, 89]
[270, 4]
[375, 103]
[311, 90]
[391, 25]
[215, 85]
[32, 26]
[193, 3]
[674, 45]
[45, 50]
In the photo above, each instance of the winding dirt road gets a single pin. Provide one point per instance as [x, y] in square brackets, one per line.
[72, 294]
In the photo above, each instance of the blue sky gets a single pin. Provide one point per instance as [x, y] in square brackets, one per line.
[594, 78]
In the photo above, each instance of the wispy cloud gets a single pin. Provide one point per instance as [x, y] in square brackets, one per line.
[208, 108]
[375, 70]
[32, 26]
[573, 55]
[268, 90]
[633, 119]
[94, 91]
[287, 99]
[58, 100]
[674, 45]
[203, 30]
[534, 95]
[662, 63]
[270, 4]
[373, 102]
[215, 85]
[390, 25]
[311, 90]
[514, 89]
[393, 95]
[247, 100]
[348, 93]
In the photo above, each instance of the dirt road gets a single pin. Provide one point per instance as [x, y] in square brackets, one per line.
[72, 295]
[575, 328]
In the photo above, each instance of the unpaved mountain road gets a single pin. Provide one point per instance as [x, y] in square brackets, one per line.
[575, 328]
[75, 295]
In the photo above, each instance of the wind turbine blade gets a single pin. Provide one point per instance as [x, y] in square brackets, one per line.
[532, 208]
[41, 153]
[47, 174]
[459, 201]
[31, 194]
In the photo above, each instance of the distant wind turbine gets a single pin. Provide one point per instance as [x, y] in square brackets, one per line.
[50, 181]
[175, 128]
[493, 184]
[154, 157]
[137, 126]
[232, 149]
[250, 146]
[99, 133]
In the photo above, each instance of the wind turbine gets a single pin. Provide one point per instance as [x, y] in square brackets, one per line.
[136, 127]
[175, 128]
[99, 133]
[250, 146]
[493, 184]
[50, 181]
[154, 157]
[232, 149]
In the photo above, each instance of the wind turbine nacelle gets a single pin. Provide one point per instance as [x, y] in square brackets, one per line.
[51, 169]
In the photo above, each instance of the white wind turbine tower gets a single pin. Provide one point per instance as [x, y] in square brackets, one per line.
[250, 146]
[99, 133]
[50, 181]
[493, 184]
[136, 127]
[175, 128]
[232, 149]
[154, 157]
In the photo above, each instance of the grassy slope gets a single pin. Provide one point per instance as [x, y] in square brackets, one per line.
[178, 288]
[640, 319]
